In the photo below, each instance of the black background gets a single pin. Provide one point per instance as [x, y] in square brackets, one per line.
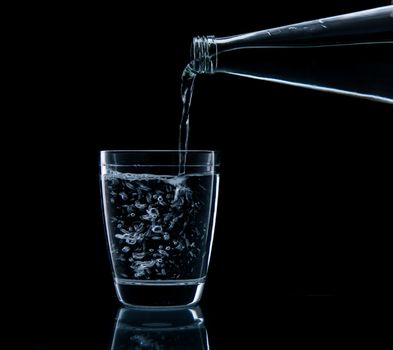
[305, 174]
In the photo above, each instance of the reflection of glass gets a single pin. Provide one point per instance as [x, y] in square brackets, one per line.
[139, 329]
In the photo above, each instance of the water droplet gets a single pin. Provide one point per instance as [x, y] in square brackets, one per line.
[125, 249]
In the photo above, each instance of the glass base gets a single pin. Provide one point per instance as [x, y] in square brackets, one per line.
[166, 294]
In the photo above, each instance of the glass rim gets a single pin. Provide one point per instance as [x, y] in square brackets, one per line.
[158, 151]
[159, 158]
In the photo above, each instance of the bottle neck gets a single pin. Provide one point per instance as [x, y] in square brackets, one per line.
[204, 54]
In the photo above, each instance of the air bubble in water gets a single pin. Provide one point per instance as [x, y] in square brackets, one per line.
[140, 205]
[129, 186]
[138, 228]
[157, 229]
[131, 241]
[180, 246]
[163, 252]
[125, 231]
[123, 196]
[153, 212]
[148, 198]
[136, 255]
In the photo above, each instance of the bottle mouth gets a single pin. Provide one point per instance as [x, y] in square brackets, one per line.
[204, 54]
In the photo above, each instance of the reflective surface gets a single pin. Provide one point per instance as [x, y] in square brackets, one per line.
[138, 329]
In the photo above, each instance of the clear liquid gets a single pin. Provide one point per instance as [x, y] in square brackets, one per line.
[159, 230]
[187, 89]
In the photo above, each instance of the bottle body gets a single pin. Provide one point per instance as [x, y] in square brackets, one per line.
[349, 54]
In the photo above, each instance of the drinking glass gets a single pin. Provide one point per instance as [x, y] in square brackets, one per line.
[159, 216]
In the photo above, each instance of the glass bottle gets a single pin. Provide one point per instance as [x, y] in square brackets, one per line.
[348, 54]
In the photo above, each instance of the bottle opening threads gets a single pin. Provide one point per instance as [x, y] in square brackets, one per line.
[204, 54]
